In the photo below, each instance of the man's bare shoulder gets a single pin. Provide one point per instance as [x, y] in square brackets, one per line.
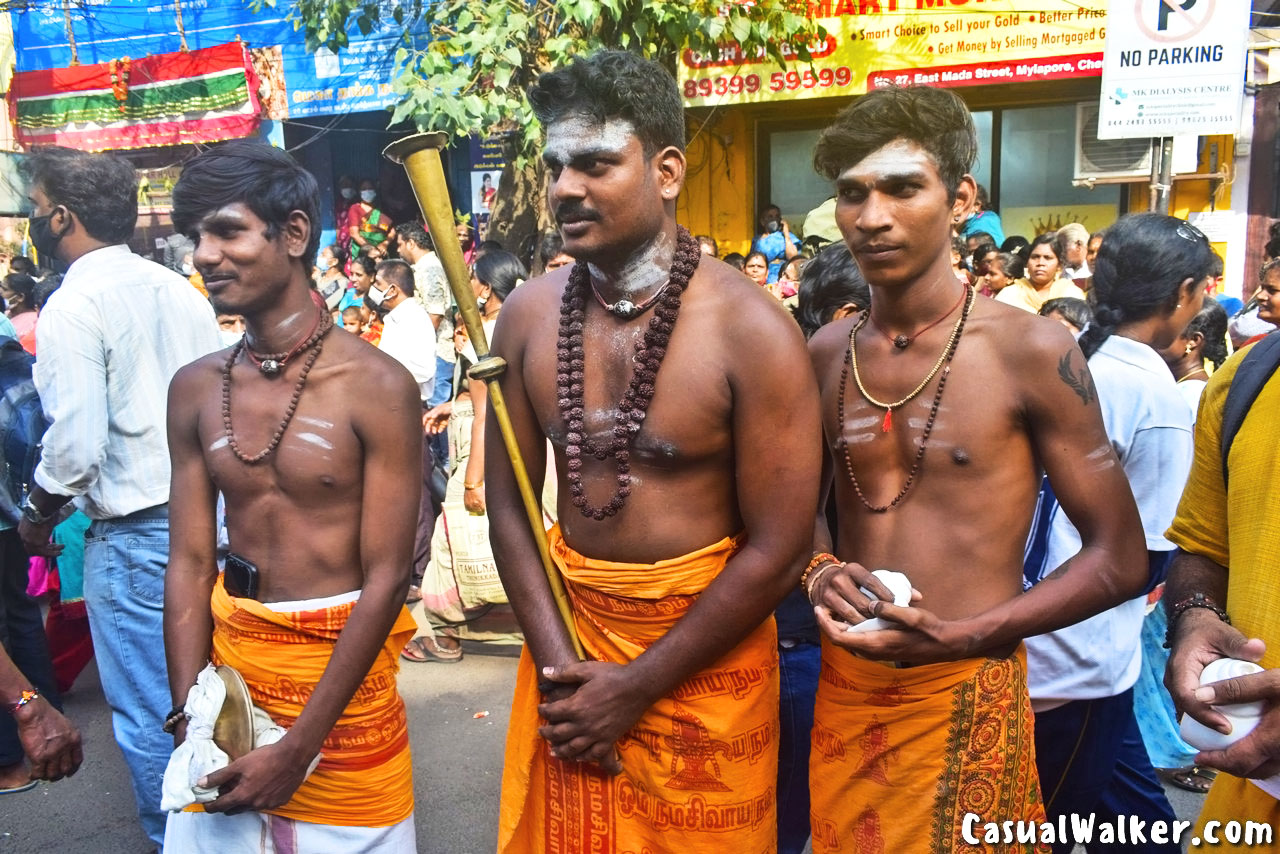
[1021, 342]
[830, 342]
[197, 376]
[374, 372]
[744, 306]
[536, 297]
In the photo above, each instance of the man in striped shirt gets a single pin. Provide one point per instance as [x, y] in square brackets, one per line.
[110, 339]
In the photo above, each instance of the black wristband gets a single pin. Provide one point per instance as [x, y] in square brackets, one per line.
[1195, 600]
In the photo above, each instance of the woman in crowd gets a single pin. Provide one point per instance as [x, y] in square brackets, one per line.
[1002, 269]
[789, 278]
[756, 267]
[449, 601]
[1044, 278]
[1075, 314]
[367, 225]
[20, 307]
[1204, 340]
[330, 282]
[1148, 285]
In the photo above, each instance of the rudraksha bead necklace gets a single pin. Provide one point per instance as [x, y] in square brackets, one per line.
[312, 343]
[651, 349]
[272, 364]
[850, 366]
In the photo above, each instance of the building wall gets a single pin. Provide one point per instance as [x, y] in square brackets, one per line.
[719, 190]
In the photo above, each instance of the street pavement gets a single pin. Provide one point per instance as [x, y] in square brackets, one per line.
[457, 765]
[457, 761]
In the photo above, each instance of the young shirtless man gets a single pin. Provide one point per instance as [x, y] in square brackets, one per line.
[678, 535]
[932, 399]
[317, 641]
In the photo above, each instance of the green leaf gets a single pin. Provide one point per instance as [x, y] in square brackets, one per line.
[741, 28]
[364, 25]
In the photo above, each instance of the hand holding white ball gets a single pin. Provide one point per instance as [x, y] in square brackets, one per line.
[899, 586]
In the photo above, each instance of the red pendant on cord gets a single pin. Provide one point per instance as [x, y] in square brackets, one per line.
[887, 425]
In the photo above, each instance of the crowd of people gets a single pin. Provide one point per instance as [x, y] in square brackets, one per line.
[709, 660]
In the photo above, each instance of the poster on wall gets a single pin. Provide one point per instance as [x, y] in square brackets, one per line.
[487, 162]
[1173, 67]
[874, 43]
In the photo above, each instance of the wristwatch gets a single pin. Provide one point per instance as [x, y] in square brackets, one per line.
[32, 513]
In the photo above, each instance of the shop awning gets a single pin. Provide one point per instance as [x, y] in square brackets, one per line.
[166, 99]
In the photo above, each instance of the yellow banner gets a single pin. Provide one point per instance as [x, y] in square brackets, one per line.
[874, 43]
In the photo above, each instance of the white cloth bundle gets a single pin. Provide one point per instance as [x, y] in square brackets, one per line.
[198, 755]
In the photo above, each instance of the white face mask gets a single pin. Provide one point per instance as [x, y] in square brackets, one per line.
[368, 196]
[348, 192]
[376, 296]
[229, 337]
[188, 269]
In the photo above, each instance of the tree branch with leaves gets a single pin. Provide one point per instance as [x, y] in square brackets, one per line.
[464, 65]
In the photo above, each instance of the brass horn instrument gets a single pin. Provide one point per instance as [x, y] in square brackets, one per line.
[420, 156]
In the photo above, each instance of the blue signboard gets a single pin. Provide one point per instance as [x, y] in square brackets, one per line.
[300, 83]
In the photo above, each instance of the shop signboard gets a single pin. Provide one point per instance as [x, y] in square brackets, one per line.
[872, 43]
[296, 82]
[1173, 67]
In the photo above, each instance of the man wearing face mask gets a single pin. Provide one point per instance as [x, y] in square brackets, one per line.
[775, 240]
[103, 386]
[408, 336]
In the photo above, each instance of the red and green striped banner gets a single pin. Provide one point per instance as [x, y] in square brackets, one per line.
[167, 99]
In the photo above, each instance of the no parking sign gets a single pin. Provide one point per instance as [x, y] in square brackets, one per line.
[1173, 67]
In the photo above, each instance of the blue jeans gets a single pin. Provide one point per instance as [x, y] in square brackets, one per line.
[124, 565]
[22, 633]
[440, 392]
[798, 668]
[1091, 759]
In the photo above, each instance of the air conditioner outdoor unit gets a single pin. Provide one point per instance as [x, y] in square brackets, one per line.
[1107, 161]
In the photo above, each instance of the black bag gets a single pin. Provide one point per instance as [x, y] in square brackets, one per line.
[22, 427]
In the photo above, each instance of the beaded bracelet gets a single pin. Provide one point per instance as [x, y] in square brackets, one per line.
[822, 557]
[176, 714]
[1195, 600]
[27, 697]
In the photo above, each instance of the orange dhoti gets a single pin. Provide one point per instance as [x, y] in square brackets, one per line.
[899, 756]
[699, 767]
[365, 775]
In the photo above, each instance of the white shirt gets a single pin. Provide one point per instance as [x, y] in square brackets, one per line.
[110, 340]
[432, 290]
[1150, 426]
[409, 338]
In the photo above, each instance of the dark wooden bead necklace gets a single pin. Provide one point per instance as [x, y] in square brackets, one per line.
[311, 345]
[850, 367]
[651, 349]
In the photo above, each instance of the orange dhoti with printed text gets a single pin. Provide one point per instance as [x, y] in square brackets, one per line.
[699, 767]
[365, 775]
[899, 756]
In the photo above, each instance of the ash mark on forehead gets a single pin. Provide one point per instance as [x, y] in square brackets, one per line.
[579, 135]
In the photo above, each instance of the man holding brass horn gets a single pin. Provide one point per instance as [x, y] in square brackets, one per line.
[322, 498]
[684, 421]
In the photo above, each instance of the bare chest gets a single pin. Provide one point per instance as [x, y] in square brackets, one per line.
[687, 407]
[314, 455]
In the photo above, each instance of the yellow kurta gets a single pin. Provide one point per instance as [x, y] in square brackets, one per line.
[1020, 294]
[699, 768]
[1235, 527]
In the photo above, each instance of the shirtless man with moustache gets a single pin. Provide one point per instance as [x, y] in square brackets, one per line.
[682, 523]
[321, 494]
[940, 410]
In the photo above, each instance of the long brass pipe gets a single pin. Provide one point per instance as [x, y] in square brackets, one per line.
[420, 155]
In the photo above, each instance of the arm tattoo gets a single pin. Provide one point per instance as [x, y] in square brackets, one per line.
[1081, 383]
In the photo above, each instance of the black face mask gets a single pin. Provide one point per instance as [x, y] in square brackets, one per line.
[43, 238]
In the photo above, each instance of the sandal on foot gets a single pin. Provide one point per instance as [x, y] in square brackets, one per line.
[427, 649]
[1193, 778]
[25, 787]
